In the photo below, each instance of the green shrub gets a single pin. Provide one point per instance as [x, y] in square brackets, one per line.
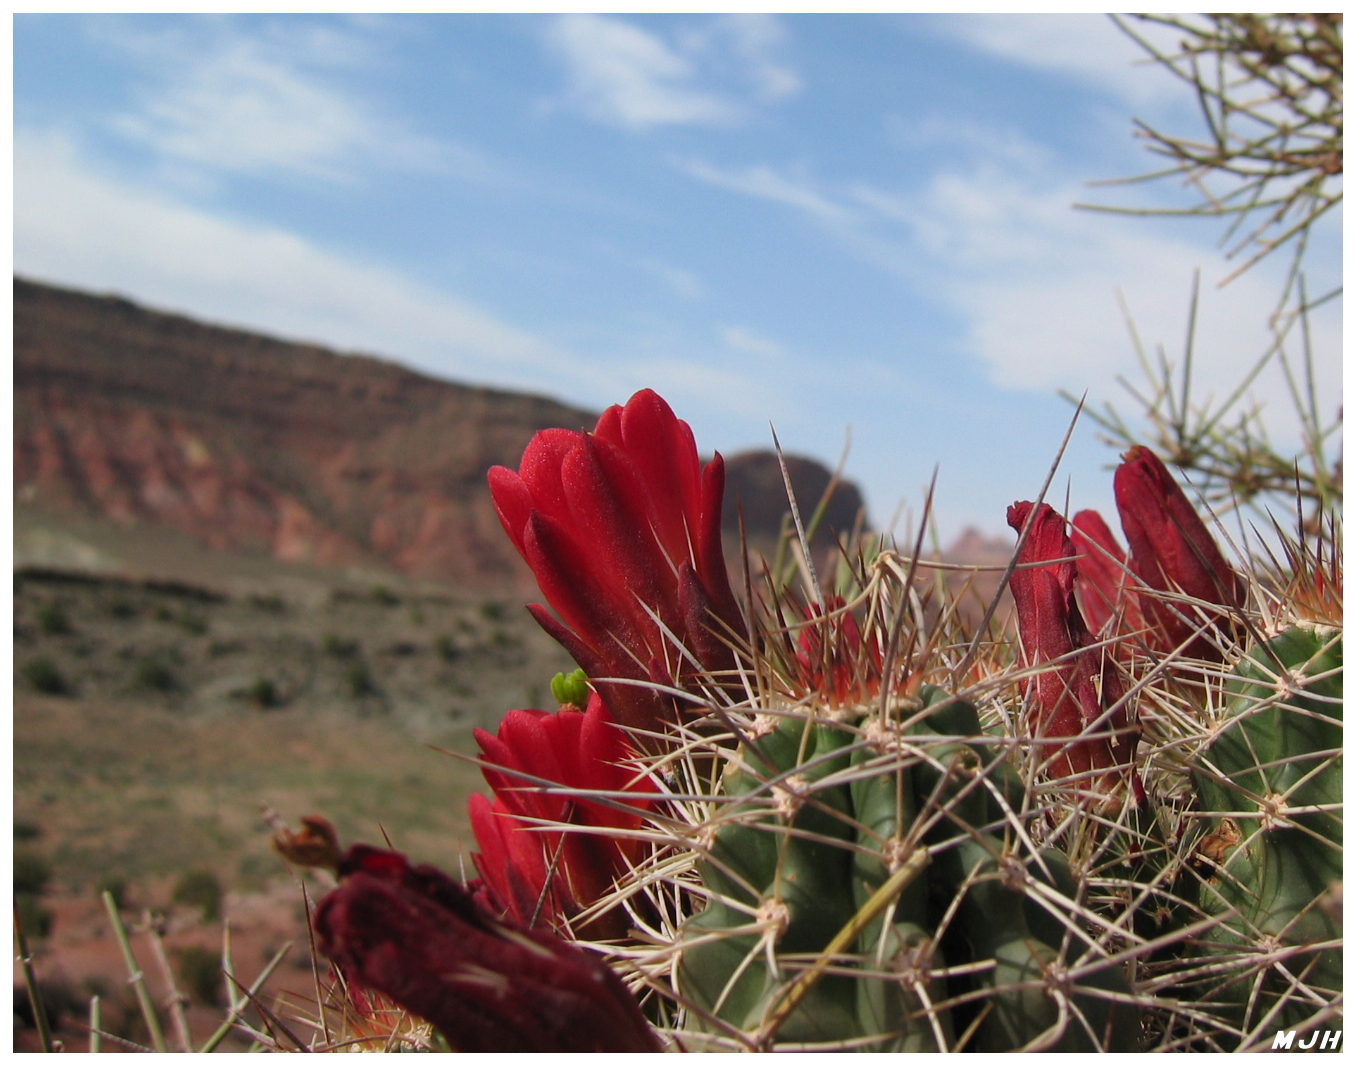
[493, 611]
[121, 608]
[53, 620]
[44, 676]
[35, 919]
[31, 872]
[339, 647]
[382, 595]
[115, 885]
[200, 971]
[192, 622]
[263, 693]
[446, 648]
[271, 602]
[359, 680]
[200, 888]
[153, 672]
[26, 831]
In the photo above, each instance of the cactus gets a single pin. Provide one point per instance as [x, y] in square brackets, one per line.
[845, 822]
[1270, 783]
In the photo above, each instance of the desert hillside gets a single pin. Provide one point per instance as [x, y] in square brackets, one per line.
[248, 442]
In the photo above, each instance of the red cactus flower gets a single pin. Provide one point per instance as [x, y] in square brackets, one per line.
[416, 936]
[622, 528]
[1072, 696]
[1104, 583]
[1173, 553]
[832, 660]
[535, 876]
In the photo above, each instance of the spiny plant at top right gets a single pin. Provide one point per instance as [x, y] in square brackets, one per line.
[1240, 699]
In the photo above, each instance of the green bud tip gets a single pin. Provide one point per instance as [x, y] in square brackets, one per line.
[571, 690]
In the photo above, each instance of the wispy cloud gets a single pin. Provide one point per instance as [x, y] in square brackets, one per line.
[1037, 282]
[751, 342]
[1087, 47]
[766, 183]
[265, 102]
[77, 226]
[681, 282]
[624, 75]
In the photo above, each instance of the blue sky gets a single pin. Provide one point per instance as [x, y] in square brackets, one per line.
[819, 222]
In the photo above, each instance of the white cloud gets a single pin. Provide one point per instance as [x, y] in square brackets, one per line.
[682, 282]
[1037, 282]
[766, 183]
[74, 226]
[750, 342]
[757, 39]
[624, 75]
[239, 103]
[1088, 47]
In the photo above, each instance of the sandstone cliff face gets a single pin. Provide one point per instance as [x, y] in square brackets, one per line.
[252, 443]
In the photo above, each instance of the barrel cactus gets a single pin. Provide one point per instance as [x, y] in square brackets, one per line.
[1270, 788]
[831, 816]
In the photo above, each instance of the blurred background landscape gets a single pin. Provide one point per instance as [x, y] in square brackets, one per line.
[286, 287]
[252, 573]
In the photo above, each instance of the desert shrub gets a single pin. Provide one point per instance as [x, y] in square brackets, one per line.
[446, 648]
[154, 672]
[31, 876]
[121, 608]
[200, 971]
[53, 619]
[60, 1001]
[269, 602]
[115, 886]
[493, 611]
[202, 889]
[26, 831]
[31, 872]
[358, 679]
[263, 693]
[35, 919]
[382, 595]
[44, 676]
[339, 647]
[193, 622]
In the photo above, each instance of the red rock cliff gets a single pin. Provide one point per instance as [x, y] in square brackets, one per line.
[253, 443]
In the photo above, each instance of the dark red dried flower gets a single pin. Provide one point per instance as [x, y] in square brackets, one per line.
[416, 936]
[1173, 554]
[622, 528]
[1104, 584]
[1072, 696]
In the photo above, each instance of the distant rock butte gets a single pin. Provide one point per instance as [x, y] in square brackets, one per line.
[755, 485]
[250, 443]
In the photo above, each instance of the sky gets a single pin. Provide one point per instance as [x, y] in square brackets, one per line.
[833, 225]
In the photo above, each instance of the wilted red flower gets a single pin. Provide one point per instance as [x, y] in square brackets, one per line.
[578, 750]
[1073, 695]
[1104, 583]
[622, 527]
[416, 936]
[1173, 553]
